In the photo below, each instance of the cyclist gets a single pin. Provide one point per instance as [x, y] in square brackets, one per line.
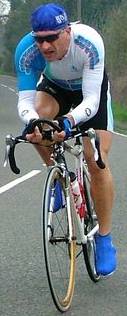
[70, 59]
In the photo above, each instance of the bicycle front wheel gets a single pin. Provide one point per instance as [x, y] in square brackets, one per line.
[58, 239]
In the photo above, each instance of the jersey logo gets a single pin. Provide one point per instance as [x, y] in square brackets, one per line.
[74, 68]
[88, 112]
[89, 49]
[26, 58]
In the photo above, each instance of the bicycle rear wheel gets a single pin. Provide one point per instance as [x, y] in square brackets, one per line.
[59, 241]
[89, 248]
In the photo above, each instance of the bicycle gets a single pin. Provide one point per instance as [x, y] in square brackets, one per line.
[62, 246]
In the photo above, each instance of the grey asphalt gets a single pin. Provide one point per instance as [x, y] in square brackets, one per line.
[24, 289]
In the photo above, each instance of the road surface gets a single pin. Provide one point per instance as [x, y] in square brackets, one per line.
[24, 289]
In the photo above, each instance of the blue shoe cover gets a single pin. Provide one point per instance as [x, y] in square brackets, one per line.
[105, 256]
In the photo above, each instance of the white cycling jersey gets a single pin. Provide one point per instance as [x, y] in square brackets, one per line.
[81, 68]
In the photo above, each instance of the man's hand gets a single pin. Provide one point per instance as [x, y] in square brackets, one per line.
[35, 137]
[65, 125]
[32, 134]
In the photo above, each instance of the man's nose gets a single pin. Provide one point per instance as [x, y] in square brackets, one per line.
[45, 45]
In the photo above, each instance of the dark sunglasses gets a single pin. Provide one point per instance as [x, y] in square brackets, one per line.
[48, 38]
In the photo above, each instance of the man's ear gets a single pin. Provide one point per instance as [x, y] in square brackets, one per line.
[68, 29]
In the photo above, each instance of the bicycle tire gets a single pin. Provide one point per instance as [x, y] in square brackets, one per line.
[59, 250]
[89, 248]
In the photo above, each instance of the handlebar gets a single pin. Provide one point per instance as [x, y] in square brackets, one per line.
[40, 122]
[11, 142]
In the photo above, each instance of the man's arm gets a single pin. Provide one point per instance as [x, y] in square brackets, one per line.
[29, 63]
[92, 77]
[91, 88]
[26, 104]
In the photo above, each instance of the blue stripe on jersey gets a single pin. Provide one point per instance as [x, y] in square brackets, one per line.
[89, 48]
[110, 120]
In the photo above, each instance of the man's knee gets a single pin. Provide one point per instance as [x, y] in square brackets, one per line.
[105, 141]
[46, 105]
[105, 145]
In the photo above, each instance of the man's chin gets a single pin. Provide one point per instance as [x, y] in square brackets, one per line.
[50, 57]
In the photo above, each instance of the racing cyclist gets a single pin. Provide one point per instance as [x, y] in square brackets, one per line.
[60, 66]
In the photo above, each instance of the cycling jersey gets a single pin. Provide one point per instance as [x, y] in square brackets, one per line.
[81, 68]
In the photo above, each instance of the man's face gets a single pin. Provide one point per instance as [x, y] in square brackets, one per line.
[53, 44]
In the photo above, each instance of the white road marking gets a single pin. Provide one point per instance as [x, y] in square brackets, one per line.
[13, 183]
[13, 90]
[120, 134]
[9, 88]
[3, 85]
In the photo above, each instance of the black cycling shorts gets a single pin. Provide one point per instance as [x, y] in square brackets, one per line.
[70, 99]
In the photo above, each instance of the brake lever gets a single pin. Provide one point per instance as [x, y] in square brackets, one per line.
[9, 153]
[6, 157]
[96, 147]
[92, 136]
[9, 143]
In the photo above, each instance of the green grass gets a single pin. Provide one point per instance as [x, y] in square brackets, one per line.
[120, 112]
[1, 72]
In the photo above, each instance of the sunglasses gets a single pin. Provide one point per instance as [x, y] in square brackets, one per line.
[48, 38]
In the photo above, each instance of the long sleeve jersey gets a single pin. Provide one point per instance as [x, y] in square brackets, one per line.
[81, 68]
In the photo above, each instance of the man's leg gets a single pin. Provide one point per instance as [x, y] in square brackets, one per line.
[46, 107]
[101, 182]
[102, 190]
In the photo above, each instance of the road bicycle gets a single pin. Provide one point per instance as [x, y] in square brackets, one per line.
[68, 231]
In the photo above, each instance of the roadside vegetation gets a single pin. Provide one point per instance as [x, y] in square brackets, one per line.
[108, 17]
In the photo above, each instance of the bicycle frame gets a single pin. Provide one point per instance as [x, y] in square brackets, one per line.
[80, 225]
[80, 168]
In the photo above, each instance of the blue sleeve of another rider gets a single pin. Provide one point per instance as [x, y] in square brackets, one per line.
[29, 63]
